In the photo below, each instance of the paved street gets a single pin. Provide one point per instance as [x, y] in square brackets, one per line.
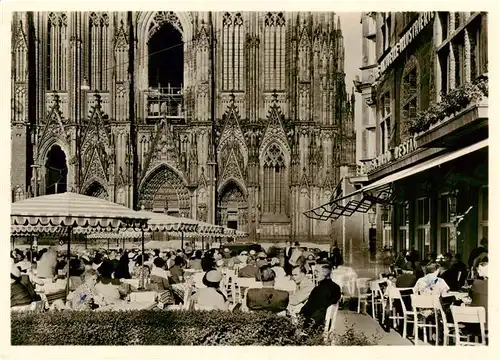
[369, 327]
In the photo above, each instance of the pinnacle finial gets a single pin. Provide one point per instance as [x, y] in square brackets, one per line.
[275, 96]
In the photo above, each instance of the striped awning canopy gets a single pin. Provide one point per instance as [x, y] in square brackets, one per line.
[168, 223]
[83, 214]
[119, 235]
[205, 228]
[240, 234]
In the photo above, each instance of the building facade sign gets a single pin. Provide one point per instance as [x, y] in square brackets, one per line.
[391, 155]
[422, 21]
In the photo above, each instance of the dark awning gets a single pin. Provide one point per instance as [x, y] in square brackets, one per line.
[382, 191]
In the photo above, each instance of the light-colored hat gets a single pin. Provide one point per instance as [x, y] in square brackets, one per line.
[252, 252]
[244, 252]
[262, 255]
[226, 250]
[214, 276]
[131, 255]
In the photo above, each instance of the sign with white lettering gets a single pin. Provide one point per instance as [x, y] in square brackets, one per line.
[390, 155]
[404, 41]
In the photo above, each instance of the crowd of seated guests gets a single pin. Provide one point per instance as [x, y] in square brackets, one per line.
[446, 273]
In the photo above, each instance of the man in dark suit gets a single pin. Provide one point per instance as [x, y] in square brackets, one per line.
[267, 298]
[407, 279]
[326, 293]
[288, 254]
[249, 271]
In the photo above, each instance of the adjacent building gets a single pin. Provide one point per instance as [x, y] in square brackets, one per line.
[236, 117]
[422, 181]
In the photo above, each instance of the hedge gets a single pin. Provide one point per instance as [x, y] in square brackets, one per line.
[153, 327]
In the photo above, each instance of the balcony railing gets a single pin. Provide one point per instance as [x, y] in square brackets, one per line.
[164, 102]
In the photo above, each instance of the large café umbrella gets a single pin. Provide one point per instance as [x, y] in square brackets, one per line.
[70, 213]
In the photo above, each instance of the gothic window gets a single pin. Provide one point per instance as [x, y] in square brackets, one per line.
[274, 52]
[57, 50]
[98, 50]
[410, 94]
[304, 51]
[275, 183]
[232, 50]
[20, 50]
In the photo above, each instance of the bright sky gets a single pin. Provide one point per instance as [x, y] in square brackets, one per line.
[351, 30]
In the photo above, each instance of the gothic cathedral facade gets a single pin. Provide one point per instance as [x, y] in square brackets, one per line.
[240, 118]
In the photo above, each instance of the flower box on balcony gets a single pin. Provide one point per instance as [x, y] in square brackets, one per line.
[458, 109]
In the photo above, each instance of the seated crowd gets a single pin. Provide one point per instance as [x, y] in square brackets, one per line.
[100, 278]
[104, 278]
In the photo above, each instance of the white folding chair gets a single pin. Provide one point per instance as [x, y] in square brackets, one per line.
[143, 296]
[425, 302]
[330, 318]
[408, 313]
[377, 298]
[362, 291]
[469, 315]
[394, 294]
[448, 328]
[241, 284]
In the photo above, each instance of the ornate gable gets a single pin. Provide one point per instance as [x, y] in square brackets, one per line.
[94, 168]
[232, 135]
[121, 40]
[54, 126]
[95, 146]
[19, 40]
[232, 168]
[275, 130]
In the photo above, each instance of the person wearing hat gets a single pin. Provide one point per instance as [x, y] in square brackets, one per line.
[407, 279]
[211, 297]
[249, 271]
[262, 259]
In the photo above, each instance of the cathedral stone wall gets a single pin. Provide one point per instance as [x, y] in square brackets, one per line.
[254, 151]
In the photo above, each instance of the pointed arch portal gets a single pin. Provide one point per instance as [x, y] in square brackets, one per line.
[233, 206]
[56, 171]
[164, 189]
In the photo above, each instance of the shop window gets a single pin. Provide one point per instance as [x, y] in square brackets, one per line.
[483, 213]
[410, 95]
[447, 238]
[386, 129]
[444, 18]
[387, 240]
[403, 224]
[461, 60]
[423, 211]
